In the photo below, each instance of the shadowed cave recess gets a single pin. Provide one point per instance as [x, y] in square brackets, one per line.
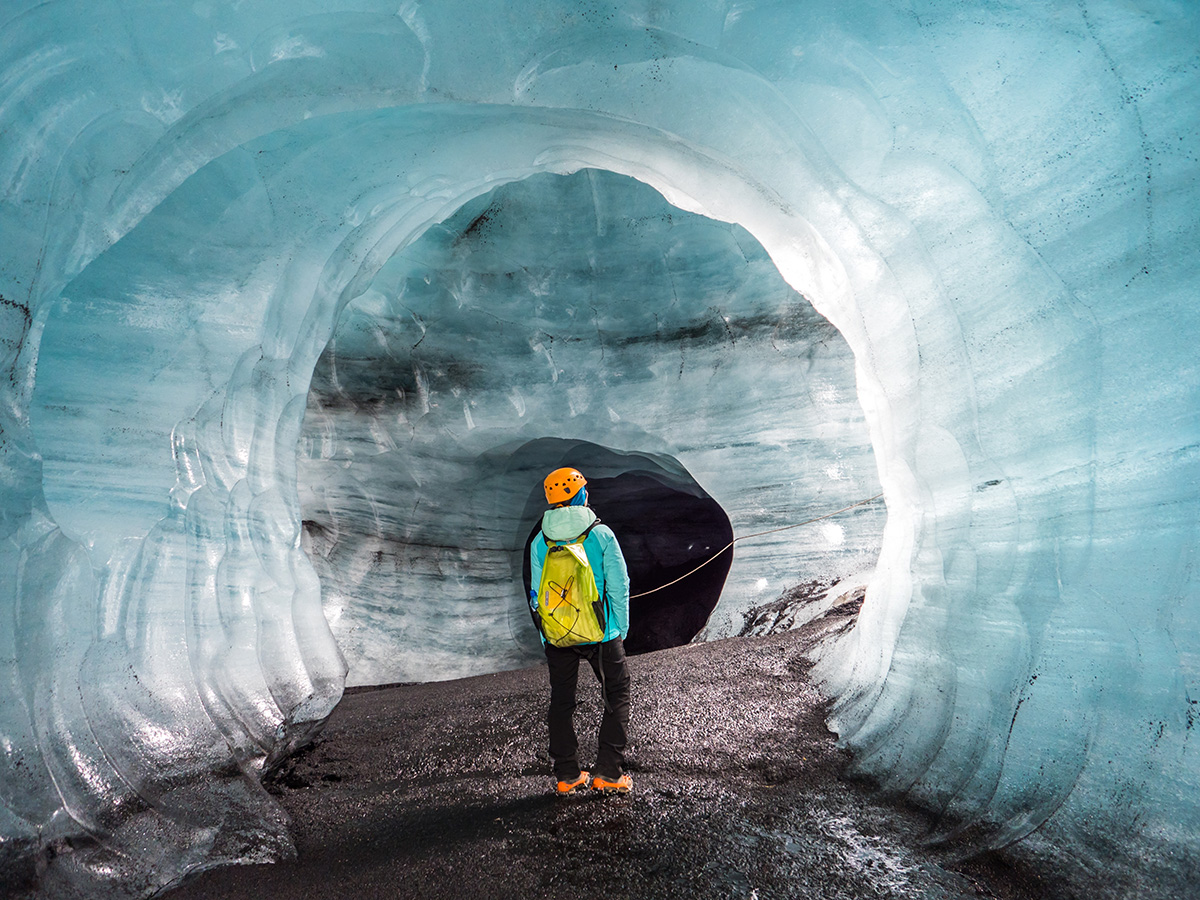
[294, 295]
[669, 529]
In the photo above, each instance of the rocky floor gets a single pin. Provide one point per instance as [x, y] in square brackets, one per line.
[443, 791]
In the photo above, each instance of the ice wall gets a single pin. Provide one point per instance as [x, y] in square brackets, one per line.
[995, 206]
[583, 306]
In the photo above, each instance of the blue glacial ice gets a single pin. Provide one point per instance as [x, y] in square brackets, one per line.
[292, 291]
[493, 329]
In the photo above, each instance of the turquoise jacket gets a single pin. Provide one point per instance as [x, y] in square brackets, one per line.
[564, 523]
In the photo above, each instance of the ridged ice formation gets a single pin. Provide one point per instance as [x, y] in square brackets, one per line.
[583, 306]
[995, 205]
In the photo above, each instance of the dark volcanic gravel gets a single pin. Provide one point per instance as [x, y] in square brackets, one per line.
[444, 791]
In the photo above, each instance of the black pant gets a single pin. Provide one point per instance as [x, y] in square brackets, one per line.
[564, 677]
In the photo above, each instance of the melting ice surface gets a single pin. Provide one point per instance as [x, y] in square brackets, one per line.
[994, 207]
[585, 306]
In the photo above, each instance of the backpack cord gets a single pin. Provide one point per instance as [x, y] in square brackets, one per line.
[756, 534]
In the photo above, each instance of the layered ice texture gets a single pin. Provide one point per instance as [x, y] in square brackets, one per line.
[663, 344]
[229, 230]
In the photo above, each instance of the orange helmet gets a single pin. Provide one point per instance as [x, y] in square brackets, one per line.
[563, 484]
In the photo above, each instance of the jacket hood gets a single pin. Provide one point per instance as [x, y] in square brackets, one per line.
[566, 522]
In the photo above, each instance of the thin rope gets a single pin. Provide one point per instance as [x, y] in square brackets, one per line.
[756, 534]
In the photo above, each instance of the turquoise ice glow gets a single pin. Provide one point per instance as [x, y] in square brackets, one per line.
[995, 206]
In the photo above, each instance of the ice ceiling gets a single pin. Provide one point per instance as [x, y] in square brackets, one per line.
[993, 204]
[588, 307]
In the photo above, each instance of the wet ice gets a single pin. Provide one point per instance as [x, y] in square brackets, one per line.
[995, 211]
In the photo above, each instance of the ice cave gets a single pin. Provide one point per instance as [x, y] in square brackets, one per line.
[298, 299]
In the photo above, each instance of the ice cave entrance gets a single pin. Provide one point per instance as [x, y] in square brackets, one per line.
[574, 319]
[667, 524]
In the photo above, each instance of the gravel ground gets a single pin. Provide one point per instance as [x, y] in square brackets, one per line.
[444, 791]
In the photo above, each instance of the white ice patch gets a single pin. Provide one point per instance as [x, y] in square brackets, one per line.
[517, 400]
[833, 534]
[166, 106]
[295, 48]
[868, 854]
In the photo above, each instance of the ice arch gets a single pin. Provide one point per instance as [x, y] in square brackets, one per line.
[579, 305]
[996, 212]
[265, 393]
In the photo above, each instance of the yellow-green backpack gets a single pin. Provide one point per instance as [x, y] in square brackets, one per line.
[569, 609]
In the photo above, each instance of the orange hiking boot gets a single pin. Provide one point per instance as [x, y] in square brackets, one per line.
[570, 787]
[607, 786]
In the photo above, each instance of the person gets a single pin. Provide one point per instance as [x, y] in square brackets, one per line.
[567, 519]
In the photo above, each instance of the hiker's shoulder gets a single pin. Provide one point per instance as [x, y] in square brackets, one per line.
[603, 533]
